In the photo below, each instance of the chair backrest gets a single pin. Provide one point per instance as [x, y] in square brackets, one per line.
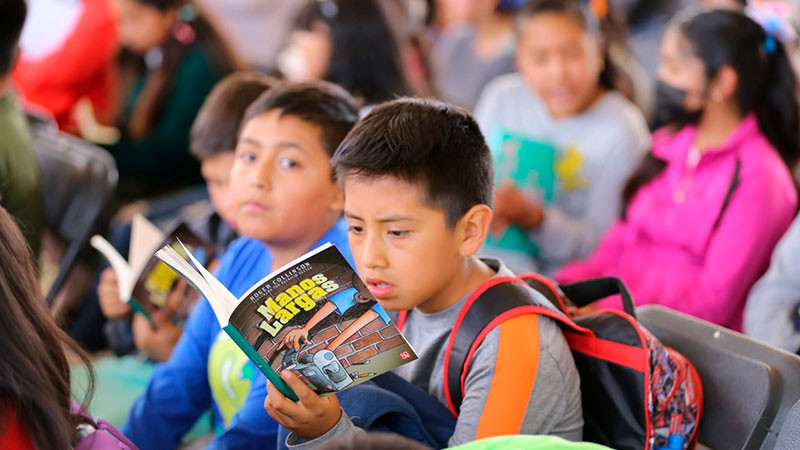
[748, 387]
[77, 182]
[789, 434]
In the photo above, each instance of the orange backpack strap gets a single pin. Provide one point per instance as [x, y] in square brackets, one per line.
[492, 303]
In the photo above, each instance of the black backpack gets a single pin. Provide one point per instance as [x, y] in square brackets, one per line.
[636, 392]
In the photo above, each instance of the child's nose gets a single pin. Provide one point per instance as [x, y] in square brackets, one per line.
[372, 252]
[261, 176]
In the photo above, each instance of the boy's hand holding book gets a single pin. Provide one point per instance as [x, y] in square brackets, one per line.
[512, 207]
[108, 295]
[159, 341]
[310, 417]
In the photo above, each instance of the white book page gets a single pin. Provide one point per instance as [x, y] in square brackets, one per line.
[125, 280]
[145, 240]
[221, 300]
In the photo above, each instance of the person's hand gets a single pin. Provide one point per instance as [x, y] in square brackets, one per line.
[89, 128]
[295, 339]
[310, 417]
[512, 208]
[112, 306]
[157, 342]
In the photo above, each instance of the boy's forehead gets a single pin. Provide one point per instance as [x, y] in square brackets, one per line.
[384, 195]
[272, 128]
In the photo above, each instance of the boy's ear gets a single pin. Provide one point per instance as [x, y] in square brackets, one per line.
[473, 228]
[337, 203]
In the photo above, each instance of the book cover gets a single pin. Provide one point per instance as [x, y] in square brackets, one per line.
[159, 287]
[314, 316]
[145, 282]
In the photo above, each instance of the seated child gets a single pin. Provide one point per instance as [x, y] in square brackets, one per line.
[476, 46]
[213, 141]
[285, 201]
[35, 386]
[565, 102]
[772, 311]
[20, 184]
[171, 56]
[707, 206]
[417, 180]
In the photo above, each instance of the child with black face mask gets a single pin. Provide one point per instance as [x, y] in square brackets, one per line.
[703, 212]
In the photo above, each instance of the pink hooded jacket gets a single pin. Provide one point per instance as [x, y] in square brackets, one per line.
[680, 246]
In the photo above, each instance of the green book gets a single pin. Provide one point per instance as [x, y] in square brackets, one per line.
[530, 165]
[313, 316]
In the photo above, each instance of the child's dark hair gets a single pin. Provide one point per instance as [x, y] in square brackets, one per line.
[34, 371]
[426, 142]
[610, 77]
[766, 82]
[365, 58]
[323, 104]
[12, 18]
[160, 81]
[216, 128]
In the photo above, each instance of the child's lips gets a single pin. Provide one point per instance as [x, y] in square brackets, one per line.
[379, 288]
[254, 206]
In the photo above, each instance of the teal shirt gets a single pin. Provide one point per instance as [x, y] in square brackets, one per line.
[163, 155]
[20, 188]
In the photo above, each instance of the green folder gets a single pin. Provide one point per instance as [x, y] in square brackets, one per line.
[530, 165]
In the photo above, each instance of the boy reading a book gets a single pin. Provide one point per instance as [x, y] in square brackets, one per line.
[286, 202]
[213, 142]
[417, 180]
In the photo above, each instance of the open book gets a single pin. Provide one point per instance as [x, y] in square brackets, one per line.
[146, 283]
[313, 316]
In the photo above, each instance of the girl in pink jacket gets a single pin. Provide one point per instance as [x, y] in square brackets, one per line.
[708, 204]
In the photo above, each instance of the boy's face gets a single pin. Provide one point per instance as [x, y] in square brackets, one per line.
[217, 174]
[281, 181]
[403, 248]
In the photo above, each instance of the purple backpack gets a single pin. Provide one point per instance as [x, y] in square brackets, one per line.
[98, 434]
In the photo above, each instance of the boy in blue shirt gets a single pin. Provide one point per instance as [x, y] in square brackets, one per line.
[286, 202]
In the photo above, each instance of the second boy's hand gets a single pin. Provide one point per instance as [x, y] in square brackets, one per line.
[310, 417]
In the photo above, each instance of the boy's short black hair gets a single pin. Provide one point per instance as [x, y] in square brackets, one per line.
[216, 128]
[320, 103]
[12, 18]
[426, 142]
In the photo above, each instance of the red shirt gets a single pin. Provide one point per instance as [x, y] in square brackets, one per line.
[13, 435]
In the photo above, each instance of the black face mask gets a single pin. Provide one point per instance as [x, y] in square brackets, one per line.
[670, 110]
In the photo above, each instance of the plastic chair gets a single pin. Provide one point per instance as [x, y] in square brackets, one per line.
[77, 182]
[749, 388]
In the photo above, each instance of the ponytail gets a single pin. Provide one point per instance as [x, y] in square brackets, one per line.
[777, 108]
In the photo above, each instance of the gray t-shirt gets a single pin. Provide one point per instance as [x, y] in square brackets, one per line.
[460, 75]
[773, 301]
[596, 151]
[522, 379]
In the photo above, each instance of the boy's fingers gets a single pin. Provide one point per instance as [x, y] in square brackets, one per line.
[304, 393]
[279, 417]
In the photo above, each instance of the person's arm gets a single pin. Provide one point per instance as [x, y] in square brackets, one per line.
[757, 216]
[166, 149]
[521, 381]
[562, 238]
[773, 302]
[178, 392]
